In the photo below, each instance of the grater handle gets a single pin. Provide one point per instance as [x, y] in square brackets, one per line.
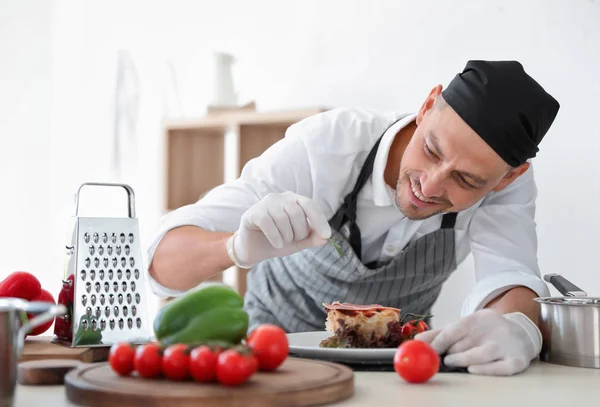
[130, 195]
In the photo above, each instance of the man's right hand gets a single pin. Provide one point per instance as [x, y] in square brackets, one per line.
[279, 225]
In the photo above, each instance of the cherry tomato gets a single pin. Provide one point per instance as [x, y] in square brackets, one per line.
[121, 357]
[203, 363]
[408, 330]
[411, 328]
[422, 326]
[234, 368]
[269, 345]
[175, 362]
[147, 360]
[416, 361]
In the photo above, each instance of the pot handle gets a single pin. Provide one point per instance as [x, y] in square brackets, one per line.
[564, 286]
[47, 311]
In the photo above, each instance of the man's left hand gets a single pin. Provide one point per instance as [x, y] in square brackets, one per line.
[487, 342]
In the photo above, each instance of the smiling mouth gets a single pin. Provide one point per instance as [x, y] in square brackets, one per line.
[418, 193]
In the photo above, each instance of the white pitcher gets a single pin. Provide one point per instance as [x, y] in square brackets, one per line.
[223, 89]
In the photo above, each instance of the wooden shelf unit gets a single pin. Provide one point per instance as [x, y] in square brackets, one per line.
[195, 154]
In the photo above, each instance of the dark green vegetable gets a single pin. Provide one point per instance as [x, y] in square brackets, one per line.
[214, 312]
[225, 324]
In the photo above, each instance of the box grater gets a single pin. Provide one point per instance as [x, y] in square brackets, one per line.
[104, 255]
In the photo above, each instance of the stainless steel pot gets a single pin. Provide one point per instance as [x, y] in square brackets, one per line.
[12, 335]
[570, 325]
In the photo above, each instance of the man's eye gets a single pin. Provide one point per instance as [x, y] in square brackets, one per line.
[465, 183]
[428, 151]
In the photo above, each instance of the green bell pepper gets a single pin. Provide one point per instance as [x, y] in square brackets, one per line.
[214, 312]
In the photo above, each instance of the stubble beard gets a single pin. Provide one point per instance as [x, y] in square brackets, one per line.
[409, 210]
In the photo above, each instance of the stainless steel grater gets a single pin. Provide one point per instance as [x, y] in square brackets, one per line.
[104, 255]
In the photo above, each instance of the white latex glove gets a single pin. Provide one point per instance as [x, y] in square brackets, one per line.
[279, 225]
[487, 342]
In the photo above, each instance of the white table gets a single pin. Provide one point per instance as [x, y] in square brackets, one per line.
[541, 385]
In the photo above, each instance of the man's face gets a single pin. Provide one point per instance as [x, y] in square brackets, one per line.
[446, 166]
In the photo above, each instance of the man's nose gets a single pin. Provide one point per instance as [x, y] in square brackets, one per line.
[432, 184]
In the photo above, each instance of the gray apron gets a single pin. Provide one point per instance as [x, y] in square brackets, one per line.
[289, 291]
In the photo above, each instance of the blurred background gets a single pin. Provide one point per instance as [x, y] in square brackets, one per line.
[110, 91]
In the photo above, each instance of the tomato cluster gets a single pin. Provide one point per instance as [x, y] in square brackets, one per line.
[413, 327]
[265, 349]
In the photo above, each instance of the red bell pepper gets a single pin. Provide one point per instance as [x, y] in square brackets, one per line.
[62, 324]
[24, 285]
[20, 284]
[44, 296]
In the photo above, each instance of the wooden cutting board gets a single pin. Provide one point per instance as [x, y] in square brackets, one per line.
[43, 347]
[298, 382]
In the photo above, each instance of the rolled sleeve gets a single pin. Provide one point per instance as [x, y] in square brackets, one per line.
[492, 286]
[284, 166]
[189, 215]
[503, 241]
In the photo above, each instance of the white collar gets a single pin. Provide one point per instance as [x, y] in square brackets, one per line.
[383, 194]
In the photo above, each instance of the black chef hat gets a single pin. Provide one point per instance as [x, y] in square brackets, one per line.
[504, 105]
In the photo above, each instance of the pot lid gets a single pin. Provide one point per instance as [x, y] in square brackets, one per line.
[590, 301]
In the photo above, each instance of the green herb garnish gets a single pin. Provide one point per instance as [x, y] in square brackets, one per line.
[337, 246]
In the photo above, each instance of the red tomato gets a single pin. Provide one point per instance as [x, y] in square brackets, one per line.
[121, 357]
[269, 345]
[408, 330]
[175, 362]
[234, 368]
[147, 360]
[416, 361]
[203, 363]
[411, 328]
[43, 296]
[20, 284]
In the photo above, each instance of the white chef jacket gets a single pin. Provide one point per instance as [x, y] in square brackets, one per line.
[321, 156]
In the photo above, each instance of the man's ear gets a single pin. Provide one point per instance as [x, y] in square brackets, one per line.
[428, 103]
[511, 176]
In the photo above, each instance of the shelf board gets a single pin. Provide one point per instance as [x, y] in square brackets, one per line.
[195, 156]
[224, 120]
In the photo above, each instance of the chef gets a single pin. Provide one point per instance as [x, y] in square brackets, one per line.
[366, 207]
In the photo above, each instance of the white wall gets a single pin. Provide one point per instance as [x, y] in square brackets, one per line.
[26, 39]
[381, 55]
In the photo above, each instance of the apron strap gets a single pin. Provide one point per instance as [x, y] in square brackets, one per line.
[449, 220]
[346, 214]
